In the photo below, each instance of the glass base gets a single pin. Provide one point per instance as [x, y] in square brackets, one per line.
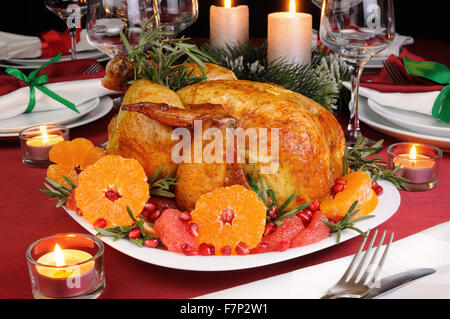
[420, 187]
[92, 295]
[350, 143]
[37, 163]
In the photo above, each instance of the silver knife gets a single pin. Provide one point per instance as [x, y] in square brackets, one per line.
[395, 281]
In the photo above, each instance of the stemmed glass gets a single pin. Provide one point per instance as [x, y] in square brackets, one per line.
[356, 30]
[71, 12]
[106, 18]
[177, 15]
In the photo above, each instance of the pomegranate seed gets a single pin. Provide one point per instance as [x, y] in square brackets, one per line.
[193, 229]
[226, 250]
[188, 250]
[306, 219]
[314, 206]
[185, 217]
[270, 228]
[242, 249]
[308, 211]
[272, 212]
[134, 233]
[78, 170]
[227, 216]
[337, 188]
[79, 212]
[206, 249]
[112, 195]
[378, 190]
[283, 245]
[332, 220]
[263, 246]
[100, 223]
[150, 207]
[340, 181]
[151, 243]
[154, 216]
[145, 214]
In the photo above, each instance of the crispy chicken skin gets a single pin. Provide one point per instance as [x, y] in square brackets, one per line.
[311, 141]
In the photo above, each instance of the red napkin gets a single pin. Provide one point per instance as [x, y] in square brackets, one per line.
[54, 42]
[383, 83]
[56, 72]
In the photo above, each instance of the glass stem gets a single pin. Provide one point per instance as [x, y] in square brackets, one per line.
[73, 43]
[353, 129]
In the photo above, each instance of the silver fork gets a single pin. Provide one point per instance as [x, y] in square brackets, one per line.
[363, 278]
[94, 67]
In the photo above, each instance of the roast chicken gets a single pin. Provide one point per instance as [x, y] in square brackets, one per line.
[310, 140]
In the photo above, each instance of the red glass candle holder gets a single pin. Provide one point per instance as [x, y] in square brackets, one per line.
[66, 266]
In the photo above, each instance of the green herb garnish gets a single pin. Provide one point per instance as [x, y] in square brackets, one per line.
[57, 191]
[161, 187]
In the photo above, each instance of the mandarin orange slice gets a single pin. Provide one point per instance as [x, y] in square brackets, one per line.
[72, 157]
[107, 187]
[229, 215]
[358, 187]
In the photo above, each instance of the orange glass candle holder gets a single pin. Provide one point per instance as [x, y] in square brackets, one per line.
[68, 266]
[419, 163]
[36, 142]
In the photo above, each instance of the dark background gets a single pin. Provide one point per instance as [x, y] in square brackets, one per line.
[417, 18]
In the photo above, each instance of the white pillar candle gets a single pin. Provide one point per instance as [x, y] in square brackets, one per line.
[228, 25]
[289, 36]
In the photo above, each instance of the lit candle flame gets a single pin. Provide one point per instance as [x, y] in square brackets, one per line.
[413, 153]
[227, 3]
[43, 130]
[292, 7]
[59, 256]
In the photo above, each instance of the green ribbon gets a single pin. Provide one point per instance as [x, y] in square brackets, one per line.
[438, 73]
[37, 82]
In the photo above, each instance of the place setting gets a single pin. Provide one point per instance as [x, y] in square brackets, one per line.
[226, 157]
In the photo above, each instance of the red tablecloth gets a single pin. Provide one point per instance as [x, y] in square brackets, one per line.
[27, 215]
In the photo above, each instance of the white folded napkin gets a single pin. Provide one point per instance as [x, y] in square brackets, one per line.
[417, 102]
[77, 92]
[16, 46]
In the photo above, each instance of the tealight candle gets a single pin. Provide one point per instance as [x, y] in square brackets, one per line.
[73, 268]
[289, 36]
[36, 142]
[419, 163]
[228, 25]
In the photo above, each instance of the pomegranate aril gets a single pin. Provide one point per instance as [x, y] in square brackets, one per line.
[226, 250]
[185, 217]
[340, 181]
[145, 214]
[314, 206]
[150, 207]
[193, 229]
[151, 243]
[263, 246]
[134, 233]
[378, 190]
[283, 245]
[305, 218]
[227, 216]
[154, 216]
[188, 250]
[337, 188]
[242, 249]
[112, 195]
[270, 228]
[308, 212]
[79, 212]
[206, 249]
[100, 223]
[78, 170]
[272, 212]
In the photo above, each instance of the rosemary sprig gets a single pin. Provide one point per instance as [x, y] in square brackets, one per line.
[158, 57]
[357, 159]
[347, 222]
[161, 187]
[120, 232]
[267, 196]
[57, 191]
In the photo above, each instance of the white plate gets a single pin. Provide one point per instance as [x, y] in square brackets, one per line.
[387, 206]
[92, 54]
[377, 122]
[33, 66]
[413, 121]
[60, 116]
[103, 108]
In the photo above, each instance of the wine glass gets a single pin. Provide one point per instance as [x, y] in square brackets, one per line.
[177, 15]
[71, 12]
[107, 18]
[356, 30]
